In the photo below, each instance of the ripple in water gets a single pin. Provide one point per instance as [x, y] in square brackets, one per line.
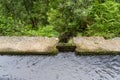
[64, 66]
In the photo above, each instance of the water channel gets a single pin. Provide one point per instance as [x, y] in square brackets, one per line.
[64, 66]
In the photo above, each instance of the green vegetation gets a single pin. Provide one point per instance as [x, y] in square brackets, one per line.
[60, 18]
[42, 31]
[106, 19]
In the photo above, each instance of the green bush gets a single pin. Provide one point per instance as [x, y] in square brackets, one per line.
[10, 27]
[106, 20]
[69, 18]
[42, 31]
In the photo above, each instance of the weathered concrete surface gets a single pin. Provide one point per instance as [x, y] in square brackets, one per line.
[28, 45]
[96, 45]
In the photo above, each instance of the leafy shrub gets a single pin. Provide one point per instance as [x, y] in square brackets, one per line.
[42, 31]
[9, 27]
[106, 20]
[69, 18]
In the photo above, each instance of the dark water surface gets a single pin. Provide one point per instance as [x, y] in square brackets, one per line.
[64, 66]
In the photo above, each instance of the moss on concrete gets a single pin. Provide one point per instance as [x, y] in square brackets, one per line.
[97, 53]
[29, 53]
[66, 47]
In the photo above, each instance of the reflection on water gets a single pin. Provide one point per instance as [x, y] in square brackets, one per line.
[64, 66]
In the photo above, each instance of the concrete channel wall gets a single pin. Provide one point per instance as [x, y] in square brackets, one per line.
[44, 45]
[28, 45]
[96, 45]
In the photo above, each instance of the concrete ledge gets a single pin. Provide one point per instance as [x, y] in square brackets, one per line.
[96, 46]
[49, 46]
[28, 45]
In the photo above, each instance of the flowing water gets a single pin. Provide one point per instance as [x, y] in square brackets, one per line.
[64, 66]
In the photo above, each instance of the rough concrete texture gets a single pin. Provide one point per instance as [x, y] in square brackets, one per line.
[90, 45]
[39, 45]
